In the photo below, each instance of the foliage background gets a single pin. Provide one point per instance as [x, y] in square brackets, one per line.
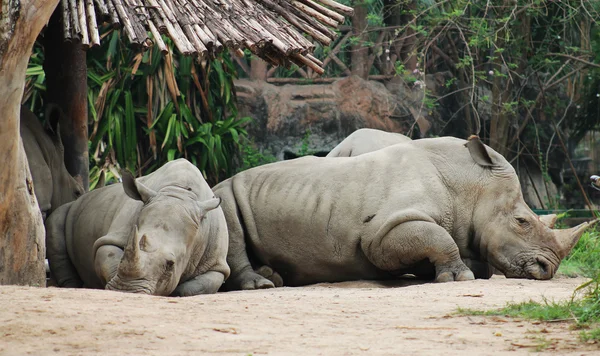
[148, 108]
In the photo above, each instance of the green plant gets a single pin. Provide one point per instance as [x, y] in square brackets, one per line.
[583, 259]
[304, 150]
[149, 108]
[583, 309]
[252, 157]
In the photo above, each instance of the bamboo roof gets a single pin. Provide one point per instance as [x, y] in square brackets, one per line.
[271, 29]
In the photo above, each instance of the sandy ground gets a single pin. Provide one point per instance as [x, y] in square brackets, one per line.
[352, 318]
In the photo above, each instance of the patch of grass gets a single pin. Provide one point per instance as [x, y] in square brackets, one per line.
[529, 310]
[583, 259]
[583, 308]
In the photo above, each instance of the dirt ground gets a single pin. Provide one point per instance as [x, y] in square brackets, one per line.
[352, 318]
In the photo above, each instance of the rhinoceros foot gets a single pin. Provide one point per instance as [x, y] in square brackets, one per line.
[271, 275]
[454, 272]
[249, 280]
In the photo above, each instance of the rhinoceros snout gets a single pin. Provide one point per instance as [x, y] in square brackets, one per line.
[127, 287]
[542, 269]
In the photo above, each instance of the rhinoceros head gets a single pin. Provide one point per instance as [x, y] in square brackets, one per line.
[160, 245]
[509, 234]
[65, 188]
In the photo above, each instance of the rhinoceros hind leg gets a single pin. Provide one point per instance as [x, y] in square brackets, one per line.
[206, 283]
[460, 275]
[405, 244]
[248, 280]
[271, 275]
[61, 267]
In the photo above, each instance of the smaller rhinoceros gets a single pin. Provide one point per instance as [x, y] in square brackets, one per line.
[364, 141]
[52, 183]
[162, 234]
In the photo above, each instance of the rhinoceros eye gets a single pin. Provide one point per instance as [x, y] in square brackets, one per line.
[169, 264]
[522, 221]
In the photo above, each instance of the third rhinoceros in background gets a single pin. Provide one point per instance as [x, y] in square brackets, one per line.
[161, 234]
[52, 183]
[364, 141]
[416, 207]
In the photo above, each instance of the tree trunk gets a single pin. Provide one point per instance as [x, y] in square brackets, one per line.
[66, 85]
[258, 69]
[360, 53]
[499, 123]
[408, 55]
[21, 228]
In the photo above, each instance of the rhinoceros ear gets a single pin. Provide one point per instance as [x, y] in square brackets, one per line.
[134, 189]
[478, 152]
[548, 220]
[209, 205]
[53, 114]
[101, 181]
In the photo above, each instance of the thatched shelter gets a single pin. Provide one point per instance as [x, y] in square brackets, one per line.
[271, 29]
[274, 30]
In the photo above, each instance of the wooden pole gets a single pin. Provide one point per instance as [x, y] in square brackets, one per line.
[66, 86]
[22, 249]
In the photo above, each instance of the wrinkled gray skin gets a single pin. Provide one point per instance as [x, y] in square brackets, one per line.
[162, 234]
[418, 207]
[364, 141]
[52, 183]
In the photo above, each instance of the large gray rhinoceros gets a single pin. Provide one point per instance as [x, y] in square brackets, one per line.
[364, 141]
[162, 234]
[52, 183]
[416, 207]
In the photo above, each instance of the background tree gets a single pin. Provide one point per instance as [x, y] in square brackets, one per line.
[22, 249]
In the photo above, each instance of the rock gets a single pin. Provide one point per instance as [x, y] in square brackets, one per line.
[301, 119]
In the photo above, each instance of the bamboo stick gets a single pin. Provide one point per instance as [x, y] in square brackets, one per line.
[81, 16]
[346, 10]
[157, 38]
[316, 25]
[66, 20]
[303, 60]
[294, 20]
[312, 58]
[324, 19]
[103, 8]
[207, 40]
[75, 30]
[322, 9]
[125, 21]
[93, 26]
[114, 17]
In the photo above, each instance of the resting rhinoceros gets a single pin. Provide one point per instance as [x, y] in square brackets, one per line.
[161, 234]
[52, 183]
[415, 207]
[364, 141]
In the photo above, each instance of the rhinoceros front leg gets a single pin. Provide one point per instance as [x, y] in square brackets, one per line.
[61, 267]
[242, 275]
[407, 243]
[106, 262]
[206, 283]
[481, 270]
[271, 275]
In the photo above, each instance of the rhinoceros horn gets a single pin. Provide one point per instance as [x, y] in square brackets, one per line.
[548, 220]
[133, 248]
[567, 238]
